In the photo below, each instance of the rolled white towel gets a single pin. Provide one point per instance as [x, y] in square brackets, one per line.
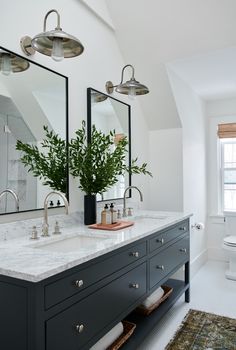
[153, 298]
[109, 337]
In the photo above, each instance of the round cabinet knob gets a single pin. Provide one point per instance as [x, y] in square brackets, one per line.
[79, 328]
[135, 254]
[79, 283]
[134, 285]
[183, 250]
[160, 267]
[160, 240]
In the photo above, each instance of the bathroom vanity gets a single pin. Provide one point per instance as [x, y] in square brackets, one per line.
[72, 300]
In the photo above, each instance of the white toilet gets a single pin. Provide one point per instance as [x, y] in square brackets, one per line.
[229, 246]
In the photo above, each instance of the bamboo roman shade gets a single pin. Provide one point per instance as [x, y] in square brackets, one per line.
[227, 130]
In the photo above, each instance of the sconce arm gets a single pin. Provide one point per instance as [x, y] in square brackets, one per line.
[122, 73]
[46, 17]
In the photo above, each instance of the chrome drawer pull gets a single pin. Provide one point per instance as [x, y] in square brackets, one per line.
[79, 328]
[135, 254]
[182, 228]
[134, 285]
[183, 250]
[160, 240]
[79, 283]
[160, 267]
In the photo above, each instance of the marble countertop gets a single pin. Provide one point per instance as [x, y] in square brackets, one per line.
[30, 260]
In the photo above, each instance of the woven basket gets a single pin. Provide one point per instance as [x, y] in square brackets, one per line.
[146, 311]
[128, 331]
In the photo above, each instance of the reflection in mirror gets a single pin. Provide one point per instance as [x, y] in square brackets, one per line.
[29, 100]
[108, 113]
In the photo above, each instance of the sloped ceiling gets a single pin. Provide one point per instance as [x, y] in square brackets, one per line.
[152, 33]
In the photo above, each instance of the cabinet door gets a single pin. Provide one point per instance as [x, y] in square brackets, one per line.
[13, 324]
[167, 260]
[72, 328]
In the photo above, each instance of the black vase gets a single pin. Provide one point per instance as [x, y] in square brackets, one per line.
[90, 209]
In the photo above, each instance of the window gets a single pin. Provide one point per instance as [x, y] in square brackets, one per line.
[228, 174]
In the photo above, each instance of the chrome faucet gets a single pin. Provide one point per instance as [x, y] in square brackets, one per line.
[15, 196]
[124, 199]
[45, 213]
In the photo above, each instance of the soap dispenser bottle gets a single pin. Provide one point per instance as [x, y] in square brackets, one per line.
[105, 216]
[113, 214]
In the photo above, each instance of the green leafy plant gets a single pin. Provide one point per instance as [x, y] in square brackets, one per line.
[99, 163]
[50, 164]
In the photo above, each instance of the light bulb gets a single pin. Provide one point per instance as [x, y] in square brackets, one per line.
[132, 93]
[6, 64]
[57, 50]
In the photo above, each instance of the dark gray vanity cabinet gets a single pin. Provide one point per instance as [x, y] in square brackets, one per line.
[72, 310]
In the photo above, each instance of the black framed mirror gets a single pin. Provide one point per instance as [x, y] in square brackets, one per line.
[108, 113]
[31, 97]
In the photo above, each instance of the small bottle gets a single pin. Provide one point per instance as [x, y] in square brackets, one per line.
[113, 214]
[105, 216]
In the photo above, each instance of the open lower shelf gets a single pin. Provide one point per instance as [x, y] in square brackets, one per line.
[145, 324]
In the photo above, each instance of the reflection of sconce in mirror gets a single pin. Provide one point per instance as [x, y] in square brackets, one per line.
[132, 87]
[54, 43]
[10, 63]
[97, 97]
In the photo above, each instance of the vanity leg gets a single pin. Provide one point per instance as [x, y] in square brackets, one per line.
[187, 279]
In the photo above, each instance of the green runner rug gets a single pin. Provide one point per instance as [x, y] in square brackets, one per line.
[204, 331]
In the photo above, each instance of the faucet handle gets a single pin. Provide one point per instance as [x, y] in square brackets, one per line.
[57, 229]
[34, 233]
[130, 212]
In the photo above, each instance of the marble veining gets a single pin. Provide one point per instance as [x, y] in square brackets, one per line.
[22, 258]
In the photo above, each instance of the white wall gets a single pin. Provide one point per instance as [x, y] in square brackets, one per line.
[101, 61]
[217, 112]
[192, 114]
[166, 165]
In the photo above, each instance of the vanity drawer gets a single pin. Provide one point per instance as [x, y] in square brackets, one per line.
[64, 288]
[166, 236]
[165, 261]
[74, 327]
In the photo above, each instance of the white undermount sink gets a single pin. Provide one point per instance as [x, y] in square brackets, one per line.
[73, 244]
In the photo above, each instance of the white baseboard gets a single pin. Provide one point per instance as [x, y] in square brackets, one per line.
[198, 262]
[215, 253]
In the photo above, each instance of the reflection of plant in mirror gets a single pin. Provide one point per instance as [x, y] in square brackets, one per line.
[98, 163]
[51, 166]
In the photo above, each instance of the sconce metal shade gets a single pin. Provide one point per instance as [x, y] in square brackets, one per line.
[43, 42]
[131, 87]
[17, 64]
[125, 88]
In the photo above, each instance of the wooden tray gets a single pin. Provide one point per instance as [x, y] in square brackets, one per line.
[128, 331]
[112, 227]
[146, 311]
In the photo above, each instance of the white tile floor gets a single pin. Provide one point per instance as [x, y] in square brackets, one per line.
[210, 291]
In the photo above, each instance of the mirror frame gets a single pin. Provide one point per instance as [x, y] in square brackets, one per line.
[66, 127]
[89, 130]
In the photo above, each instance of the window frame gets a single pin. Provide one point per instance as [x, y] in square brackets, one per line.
[223, 142]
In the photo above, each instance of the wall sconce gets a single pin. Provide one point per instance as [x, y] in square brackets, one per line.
[54, 43]
[132, 87]
[10, 63]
